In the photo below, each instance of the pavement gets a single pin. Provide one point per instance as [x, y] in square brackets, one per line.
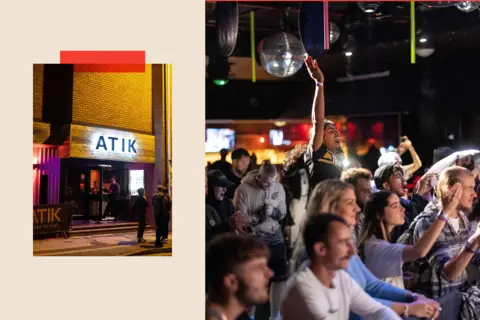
[114, 244]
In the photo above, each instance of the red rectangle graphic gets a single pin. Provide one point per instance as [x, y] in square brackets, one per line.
[104, 61]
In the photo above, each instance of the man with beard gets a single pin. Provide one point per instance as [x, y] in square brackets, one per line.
[240, 164]
[262, 198]
[324, 142]
[323, 290]
[443, 270]
[237, 275]
[360, 178]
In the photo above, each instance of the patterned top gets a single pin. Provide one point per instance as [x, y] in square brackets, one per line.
[322, 165]
[428, 273]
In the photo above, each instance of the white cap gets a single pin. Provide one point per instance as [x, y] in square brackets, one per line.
[389, 158]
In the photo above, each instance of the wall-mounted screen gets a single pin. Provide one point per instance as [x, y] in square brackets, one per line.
[218, 139]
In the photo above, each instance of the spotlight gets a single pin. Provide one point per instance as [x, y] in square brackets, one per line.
[425, 47]
[218, 70]
[368, 7]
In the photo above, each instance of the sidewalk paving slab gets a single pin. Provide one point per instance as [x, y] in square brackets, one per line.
[100, 245]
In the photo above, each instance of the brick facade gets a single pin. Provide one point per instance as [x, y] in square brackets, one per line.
[119, 100]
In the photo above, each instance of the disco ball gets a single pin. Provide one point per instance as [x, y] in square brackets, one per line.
[467, 6]
[334, 32]
[282, 55]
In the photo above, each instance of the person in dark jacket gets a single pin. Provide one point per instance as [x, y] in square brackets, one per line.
[161, 210]
[222, 164]
[240, 165]
[215, 224]
[391, 178]
[220, 211]
[140, 207]
[217, 194]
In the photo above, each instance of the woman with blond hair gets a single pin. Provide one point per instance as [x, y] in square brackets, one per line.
[338, 197]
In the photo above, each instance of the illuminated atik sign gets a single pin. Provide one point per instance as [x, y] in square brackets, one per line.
[112, 142]
[123, 146]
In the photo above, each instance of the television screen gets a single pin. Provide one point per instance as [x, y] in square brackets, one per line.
[218, 139]
[276, 137]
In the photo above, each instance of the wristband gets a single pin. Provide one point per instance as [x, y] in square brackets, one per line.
[319, 84]
[468, 248]
[442, 216]
[405, 311]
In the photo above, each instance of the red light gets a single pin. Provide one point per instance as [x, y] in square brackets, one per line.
[377, 127]
[262, 140]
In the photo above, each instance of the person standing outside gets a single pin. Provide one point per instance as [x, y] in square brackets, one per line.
[161, 210]
[114, 192]
[140, 206]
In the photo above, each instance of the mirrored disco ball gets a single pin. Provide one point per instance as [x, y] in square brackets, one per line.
[334, 32]
[282, 55]
[467, 6]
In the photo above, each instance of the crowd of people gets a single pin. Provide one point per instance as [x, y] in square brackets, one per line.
[315, 242]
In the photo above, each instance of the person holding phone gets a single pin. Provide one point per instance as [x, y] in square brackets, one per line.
[263, 200]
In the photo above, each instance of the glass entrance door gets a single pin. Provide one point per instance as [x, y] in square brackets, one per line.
[94, 192]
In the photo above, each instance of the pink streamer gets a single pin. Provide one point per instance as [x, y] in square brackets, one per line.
[326, 28]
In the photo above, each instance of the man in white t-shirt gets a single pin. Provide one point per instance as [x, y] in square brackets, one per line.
[323, 290]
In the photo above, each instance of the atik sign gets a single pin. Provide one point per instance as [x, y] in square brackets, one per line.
[111, 143]
[51, 218]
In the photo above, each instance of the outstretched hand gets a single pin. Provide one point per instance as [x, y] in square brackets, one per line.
[313, 69]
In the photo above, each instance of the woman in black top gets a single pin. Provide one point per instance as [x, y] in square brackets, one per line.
[325, 140]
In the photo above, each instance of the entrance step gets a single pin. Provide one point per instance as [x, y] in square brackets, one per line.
[105, 228]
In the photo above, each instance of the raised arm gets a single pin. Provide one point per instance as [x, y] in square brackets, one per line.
[423, 245]
[417, 163]
[318, 108]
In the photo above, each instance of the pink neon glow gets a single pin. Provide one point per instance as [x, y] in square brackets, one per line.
[326, 29]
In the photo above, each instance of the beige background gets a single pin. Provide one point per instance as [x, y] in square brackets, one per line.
[102, 288]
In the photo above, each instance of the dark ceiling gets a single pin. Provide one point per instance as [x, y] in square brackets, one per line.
[383, 34]
[431, 94]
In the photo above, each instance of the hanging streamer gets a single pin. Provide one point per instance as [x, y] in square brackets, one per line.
[252, 45]
[412, 32]
[326, 29]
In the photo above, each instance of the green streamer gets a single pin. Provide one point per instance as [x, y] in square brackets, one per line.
[252, 43]
[412, 32]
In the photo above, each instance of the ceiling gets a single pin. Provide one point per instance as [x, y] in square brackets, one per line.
[381, 36]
